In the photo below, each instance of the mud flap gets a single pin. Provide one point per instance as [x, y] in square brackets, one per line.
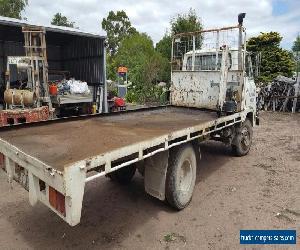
[236, 132]
[155, 174]
[257, 120]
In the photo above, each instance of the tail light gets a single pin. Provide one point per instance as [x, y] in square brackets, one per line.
[57, 201]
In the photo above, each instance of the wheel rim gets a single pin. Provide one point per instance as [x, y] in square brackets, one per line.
[185, 177]
[245, 138]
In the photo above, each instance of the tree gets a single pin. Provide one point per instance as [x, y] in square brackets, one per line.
[60, 20]
[164, 46]
[12, 8]
[146, 66]
[117, 26]
[296, 50]
[296, 45]
[274, 60]
[181, 23]
[187, 22]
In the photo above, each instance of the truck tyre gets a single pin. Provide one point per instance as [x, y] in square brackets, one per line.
[243, 139]
[181, 176]
[123, 175]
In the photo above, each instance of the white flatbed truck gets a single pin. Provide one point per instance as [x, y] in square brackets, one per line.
[54, 159]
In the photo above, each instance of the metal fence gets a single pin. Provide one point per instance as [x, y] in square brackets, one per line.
[200, 51]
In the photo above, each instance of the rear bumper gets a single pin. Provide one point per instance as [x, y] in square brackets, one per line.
[61, 193]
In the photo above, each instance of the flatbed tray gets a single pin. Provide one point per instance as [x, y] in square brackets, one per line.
[62, 143]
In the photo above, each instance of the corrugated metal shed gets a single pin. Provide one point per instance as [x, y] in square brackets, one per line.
[67, 30]
[68, 49]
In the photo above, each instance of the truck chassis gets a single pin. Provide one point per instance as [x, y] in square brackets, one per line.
[61, 188]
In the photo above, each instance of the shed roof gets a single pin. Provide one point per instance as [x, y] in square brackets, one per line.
[7, 21]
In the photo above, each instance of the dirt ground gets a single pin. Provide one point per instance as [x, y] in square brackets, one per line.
[258, 191]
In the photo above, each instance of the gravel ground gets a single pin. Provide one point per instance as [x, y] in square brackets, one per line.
[258, 191]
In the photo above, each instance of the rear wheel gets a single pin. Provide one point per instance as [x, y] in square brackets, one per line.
[123, 175]
[181, 176]
[243, 139]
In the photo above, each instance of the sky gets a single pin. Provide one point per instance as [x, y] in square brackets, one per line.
[153, 16]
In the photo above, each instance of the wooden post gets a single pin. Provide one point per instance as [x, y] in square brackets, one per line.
[286, 100]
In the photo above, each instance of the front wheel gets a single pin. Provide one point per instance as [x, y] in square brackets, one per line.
[181, 176]
[243, 139]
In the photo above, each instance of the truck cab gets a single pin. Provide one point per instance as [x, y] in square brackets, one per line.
[210, 60]
[213, 70]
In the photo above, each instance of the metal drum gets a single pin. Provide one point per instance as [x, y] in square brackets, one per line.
[19, 97]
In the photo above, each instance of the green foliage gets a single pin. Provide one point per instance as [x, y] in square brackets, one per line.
[114, 92]
[111, 67]
[264, 41]
[296, 45]
[146, 67]
[60, 20]
[117, 26]
[164, 46]
[131, 96]
[296, 50]
[274, 60]
[12, 8]
[186, 23]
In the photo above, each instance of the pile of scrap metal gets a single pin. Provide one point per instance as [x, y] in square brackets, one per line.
[283, 94]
